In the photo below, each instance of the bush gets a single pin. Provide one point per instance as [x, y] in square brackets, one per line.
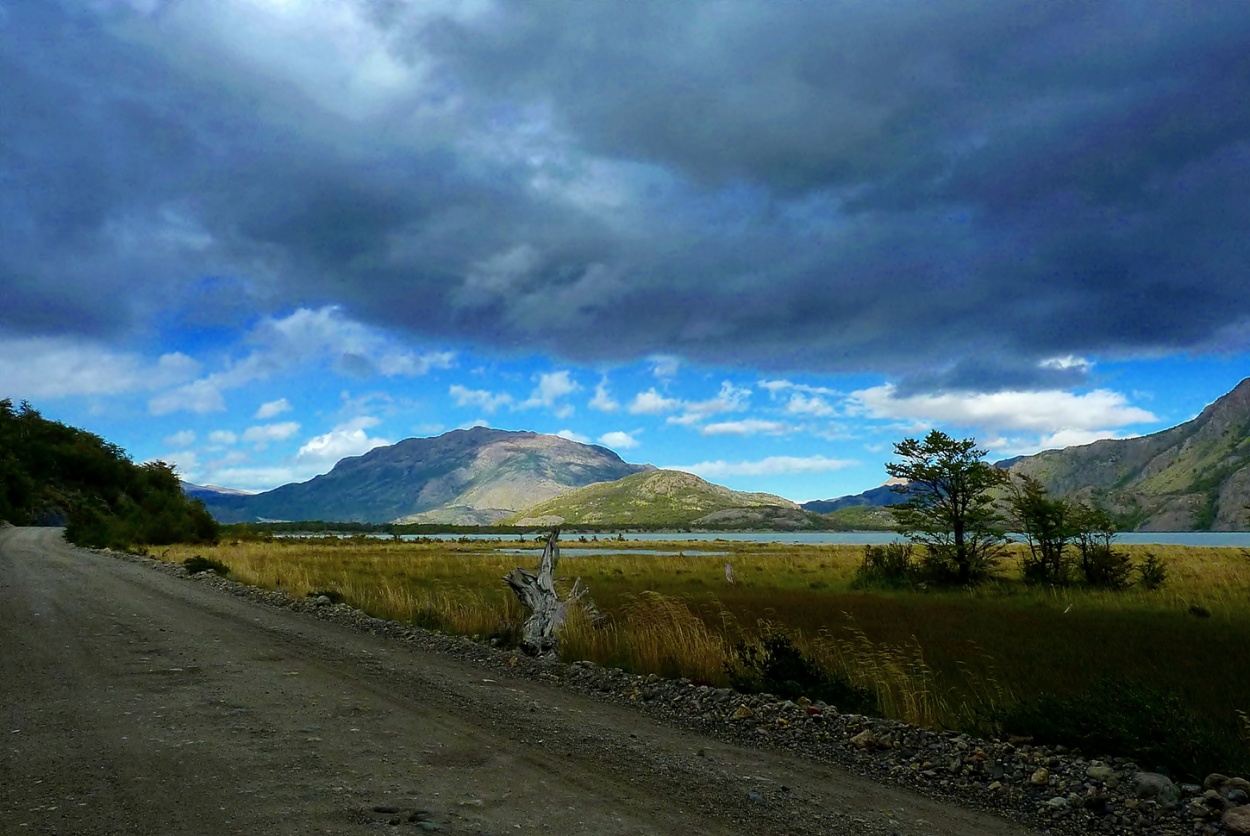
[776, 666]
[199, 563]
[890, 565]
[1153, 572]
[1105, 567]
[1125, 719]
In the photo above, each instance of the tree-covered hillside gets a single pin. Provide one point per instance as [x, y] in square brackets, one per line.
[51, 473]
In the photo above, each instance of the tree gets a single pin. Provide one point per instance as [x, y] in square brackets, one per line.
[1049, 526]
[1102, 564]
[950, 510]
[1054, 528]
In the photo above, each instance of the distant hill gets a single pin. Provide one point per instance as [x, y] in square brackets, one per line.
[474, 476]
[667, 499]
[874, 497]
[1192, 477]
[209, 491]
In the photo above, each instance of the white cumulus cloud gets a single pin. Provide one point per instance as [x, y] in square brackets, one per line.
[550, 389]
[801, 404]
[652, 402]
[618, 439]
[272, 409]
[1047, 412]
[603, 400]
[770, 466]
[749, 426]
[480, 398]
[222, 438]
[265, 433]
[348, 439]
[55, 367]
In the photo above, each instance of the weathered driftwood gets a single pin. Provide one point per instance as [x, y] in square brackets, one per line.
[537, 592]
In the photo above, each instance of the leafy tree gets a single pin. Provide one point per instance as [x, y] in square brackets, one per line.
[950, 509]
[53, 472]
[1049, 526]
[1101, 563]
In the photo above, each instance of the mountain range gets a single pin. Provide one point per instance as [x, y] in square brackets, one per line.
[465, 477]
[1194, 476]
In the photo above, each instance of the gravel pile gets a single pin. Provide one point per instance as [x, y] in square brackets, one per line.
[1052, 788]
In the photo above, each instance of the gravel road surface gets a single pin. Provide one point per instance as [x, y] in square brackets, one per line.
[135, 702]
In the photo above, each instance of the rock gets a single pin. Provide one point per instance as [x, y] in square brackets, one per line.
[1235, 796]
[1237, 821]
[865, 740]
[1040, 778]
[322, 601]
[1214, 781]
[1151, 786]
[1238, 784]
[1100, 773]
[1058, 802]
[743, 713]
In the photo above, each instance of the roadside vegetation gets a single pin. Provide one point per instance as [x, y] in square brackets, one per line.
[991, 658]
[54, 474]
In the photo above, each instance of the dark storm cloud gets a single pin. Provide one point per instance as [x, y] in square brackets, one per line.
[952, 192]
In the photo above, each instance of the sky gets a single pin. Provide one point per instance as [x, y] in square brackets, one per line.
[758, 241]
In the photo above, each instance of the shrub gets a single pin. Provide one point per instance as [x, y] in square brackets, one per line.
[198, 563]
[891, 565]
[1125, 719]
[1106, 567]
[1153, 572]
[775, 666]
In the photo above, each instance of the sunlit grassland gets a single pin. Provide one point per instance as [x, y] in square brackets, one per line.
[934, 657]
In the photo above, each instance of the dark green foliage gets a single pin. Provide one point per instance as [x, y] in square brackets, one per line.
[1102, 565]
[1153, 572]
[53, 472]
[775, 666]
[1054, 529]
[1126, 719]
[1048, 526]
[949, 509]
[892, 566]
[198, 563]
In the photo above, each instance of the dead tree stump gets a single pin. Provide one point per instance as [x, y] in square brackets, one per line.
[537, 593]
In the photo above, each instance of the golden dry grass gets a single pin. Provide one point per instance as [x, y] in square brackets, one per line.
[943, 658]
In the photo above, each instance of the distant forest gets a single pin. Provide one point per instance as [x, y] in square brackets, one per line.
[54, 474]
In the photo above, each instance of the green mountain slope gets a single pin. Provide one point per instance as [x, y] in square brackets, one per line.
[1190, 477]
[55, 474]
[667, 499]
[474, 476]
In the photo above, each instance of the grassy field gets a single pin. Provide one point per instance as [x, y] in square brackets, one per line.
[940, 658]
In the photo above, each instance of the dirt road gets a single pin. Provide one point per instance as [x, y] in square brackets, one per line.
[133, 702]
